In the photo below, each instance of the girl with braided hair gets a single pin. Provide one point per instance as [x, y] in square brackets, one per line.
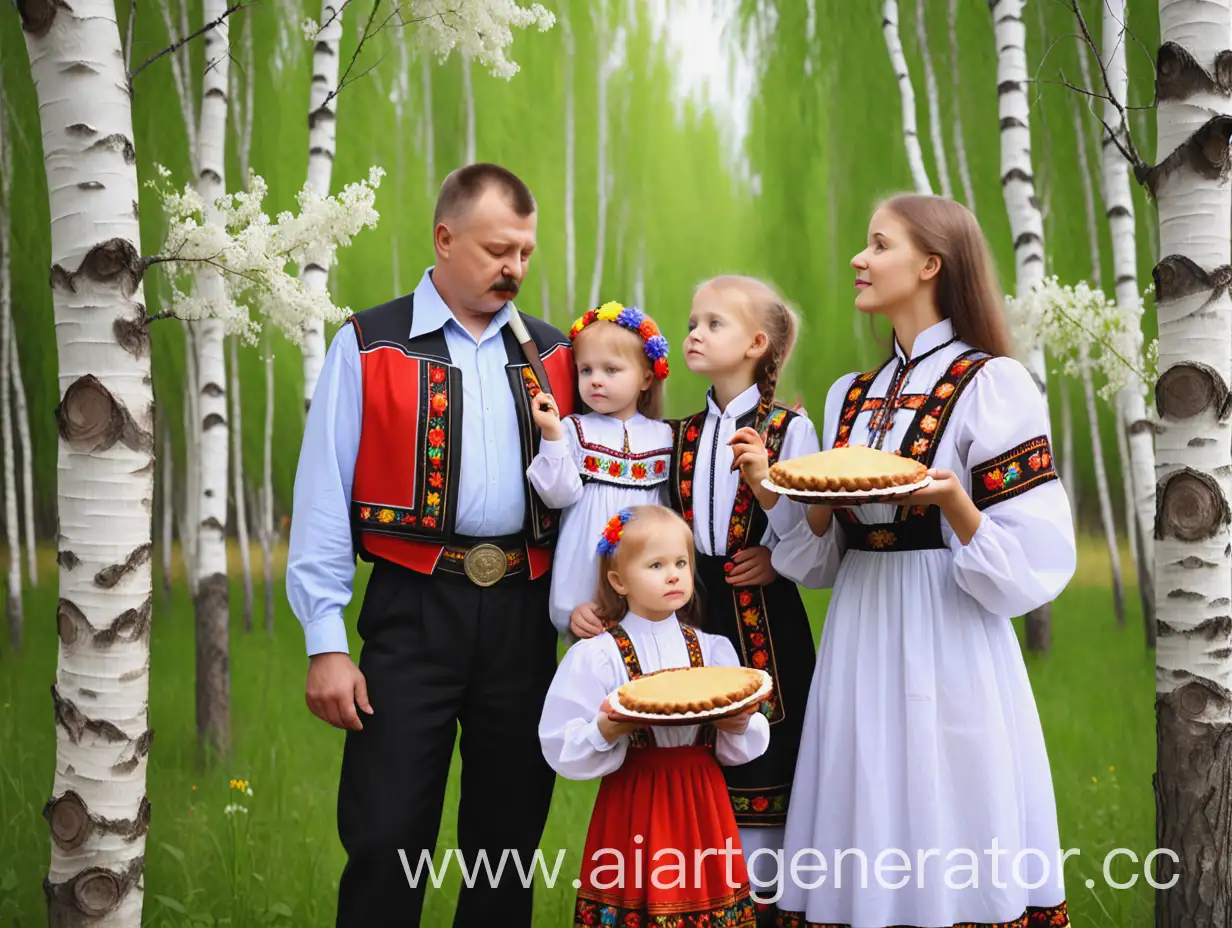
[741, 333]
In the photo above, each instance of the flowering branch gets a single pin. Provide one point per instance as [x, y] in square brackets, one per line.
[252, 252]
[1076, 322]
[479, 29]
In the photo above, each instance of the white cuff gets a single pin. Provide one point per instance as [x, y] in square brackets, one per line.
[596, 739]
[554, 448]
[326, 634]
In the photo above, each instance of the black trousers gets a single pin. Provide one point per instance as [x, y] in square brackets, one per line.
[439, 652]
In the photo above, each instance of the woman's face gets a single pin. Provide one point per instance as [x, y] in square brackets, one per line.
[889, 269]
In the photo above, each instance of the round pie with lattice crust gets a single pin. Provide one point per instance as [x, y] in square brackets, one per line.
[689, 689]
[849, 469]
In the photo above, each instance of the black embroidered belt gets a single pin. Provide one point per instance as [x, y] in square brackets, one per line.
[915, 533]
[485, 561]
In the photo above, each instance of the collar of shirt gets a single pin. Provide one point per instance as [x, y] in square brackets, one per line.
[936, 334]
[634, 623]
[432, 313]
[738, 406]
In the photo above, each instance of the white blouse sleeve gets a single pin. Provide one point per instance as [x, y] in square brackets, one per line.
[732, 749]
[800, 440]
[553, 472]
[568, 728]
[801, 556]
[1023, 553]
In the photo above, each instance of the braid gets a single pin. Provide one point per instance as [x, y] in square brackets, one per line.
[768, 379]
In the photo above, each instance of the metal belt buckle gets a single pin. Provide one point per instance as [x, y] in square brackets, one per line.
[485, 564]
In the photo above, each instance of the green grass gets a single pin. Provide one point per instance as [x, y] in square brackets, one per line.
[280, 862]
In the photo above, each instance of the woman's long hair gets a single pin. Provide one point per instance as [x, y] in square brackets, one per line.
[968, 292]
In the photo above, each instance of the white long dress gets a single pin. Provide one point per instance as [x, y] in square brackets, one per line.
[922, 742]
[600, 466]
[593, 668]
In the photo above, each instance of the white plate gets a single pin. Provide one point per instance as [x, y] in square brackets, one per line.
[821, 496]
[693, 718]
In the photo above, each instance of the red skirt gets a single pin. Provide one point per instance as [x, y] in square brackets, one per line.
[663, 847]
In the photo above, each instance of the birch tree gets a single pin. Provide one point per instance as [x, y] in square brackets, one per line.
[11, 525]
[97, 811]
[911, 137]
[1193, 557]
[1026, 223]
[934, 103]
[212, 598]
[960, 146]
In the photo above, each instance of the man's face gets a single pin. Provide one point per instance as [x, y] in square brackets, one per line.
[486, 252]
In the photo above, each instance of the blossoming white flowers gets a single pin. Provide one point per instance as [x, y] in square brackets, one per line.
[479, 29]
[252, 252]
[1073, 321]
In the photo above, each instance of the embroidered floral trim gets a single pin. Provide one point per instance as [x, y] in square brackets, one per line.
[1034, 917]
[756, 645]
[761, 806]
[625, 470]
[737, 913]
[432, 509]
[545, 517]
[851, 405]
[387, 515]
[1012, 473]
[693, 646]
[514, 558]
[690, 434]
[742, 509]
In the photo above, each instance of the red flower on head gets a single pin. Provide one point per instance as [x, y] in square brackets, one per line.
[660, 368]
[436, 437]
[648, 329]
[437, 375]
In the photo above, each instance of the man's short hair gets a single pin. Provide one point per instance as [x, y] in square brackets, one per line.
[466, 184]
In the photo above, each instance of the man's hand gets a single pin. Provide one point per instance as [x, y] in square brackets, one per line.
[547, 416]
[584, 623]
[752, 567]
[335, 686]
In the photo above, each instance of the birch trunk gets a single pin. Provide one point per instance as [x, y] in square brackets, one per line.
[322, 127]
[934, 103]
[468, 99]
[911, 138]
[960, 147]
[22, 412]
[1139, 430]
[212, 600]
[179, 63]
[429, 127]
[97, 811]
[268, 534]
[1067, 456]
[192, 463]
[165, 464]
[11, 525]
[1084, 363]
[1026, 223]
[237, 464]
[570, 192]
[1193, 465]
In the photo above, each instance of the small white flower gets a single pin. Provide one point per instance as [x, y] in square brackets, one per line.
[234, 807]
[311, 29]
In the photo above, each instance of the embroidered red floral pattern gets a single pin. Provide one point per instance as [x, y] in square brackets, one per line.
[739, 913]
[432, 508]
[1034, 917]
[766, 807]
[1012, 473]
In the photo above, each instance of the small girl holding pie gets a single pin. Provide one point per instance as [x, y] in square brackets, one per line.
[741, 334]
[922, 736]
[662, 839]
[613, 456]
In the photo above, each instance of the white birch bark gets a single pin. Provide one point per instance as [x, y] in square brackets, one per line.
[468, 99]
[189, 512]
[911, 137]
[212, 600]
[960, 147]
[1193, 557]
[322, 128]
[97, 810]
[1135, 423]
[934, 103]
[11, 526]
[1084, 364]
[179, 64]
[237, 464]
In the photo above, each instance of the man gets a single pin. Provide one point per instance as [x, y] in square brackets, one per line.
[414, 457]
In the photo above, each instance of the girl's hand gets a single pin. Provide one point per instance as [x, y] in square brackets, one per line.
[752, 567]
[612, 725]
[750, 458]
[583, 621]
[736, 724]
[544, 411]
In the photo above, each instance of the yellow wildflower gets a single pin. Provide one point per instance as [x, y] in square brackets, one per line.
[1093, 780]
[1112, 769]
[193, 788]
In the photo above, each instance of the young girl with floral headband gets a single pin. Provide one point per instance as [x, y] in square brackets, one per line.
[662, 846]
[613, 456]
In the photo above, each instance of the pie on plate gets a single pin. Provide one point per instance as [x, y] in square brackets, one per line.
[689, 690]
[850, 469]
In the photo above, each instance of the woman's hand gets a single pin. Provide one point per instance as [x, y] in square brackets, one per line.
[751, 567]
[737, 724]
[544, 411]
[947, 493]
[612, 725]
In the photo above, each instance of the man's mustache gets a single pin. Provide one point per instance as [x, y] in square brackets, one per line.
[507, 284]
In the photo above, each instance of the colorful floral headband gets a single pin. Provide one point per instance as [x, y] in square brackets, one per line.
[633, 319]
[612, 532]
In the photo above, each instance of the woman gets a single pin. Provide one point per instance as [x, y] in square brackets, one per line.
[923, 786]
